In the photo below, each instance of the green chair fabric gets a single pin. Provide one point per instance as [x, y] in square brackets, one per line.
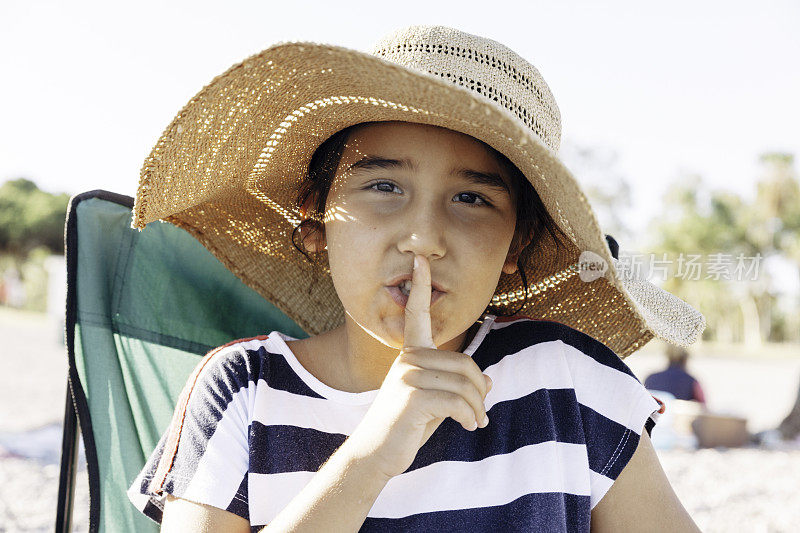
[142, 309]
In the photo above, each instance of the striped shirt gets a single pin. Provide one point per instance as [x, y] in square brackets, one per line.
[253, 426]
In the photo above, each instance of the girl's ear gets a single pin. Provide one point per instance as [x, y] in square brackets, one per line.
[510, 266]
[312, 235]
[517, 245]
[312, 232]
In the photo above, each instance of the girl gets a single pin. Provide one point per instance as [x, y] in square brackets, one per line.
[396, 214]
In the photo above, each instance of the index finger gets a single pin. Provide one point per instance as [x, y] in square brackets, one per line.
[417, 326]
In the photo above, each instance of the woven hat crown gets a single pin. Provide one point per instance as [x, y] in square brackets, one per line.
[487, 68]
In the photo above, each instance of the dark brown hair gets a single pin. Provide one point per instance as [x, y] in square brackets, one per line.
[533, 220]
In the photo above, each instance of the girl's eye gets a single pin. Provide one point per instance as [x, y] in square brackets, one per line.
[472, 198]
[382, 186]
[469, 198]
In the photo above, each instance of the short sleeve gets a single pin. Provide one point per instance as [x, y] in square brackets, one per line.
[615, 409]
[204, 454]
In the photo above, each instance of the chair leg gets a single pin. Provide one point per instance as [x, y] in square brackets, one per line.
[69, 464]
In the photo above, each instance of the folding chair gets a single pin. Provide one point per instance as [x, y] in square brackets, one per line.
[142, 309]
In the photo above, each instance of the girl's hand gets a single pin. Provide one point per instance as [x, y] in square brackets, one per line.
[423, 386]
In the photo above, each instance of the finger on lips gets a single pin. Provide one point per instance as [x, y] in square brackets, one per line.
[417, 328]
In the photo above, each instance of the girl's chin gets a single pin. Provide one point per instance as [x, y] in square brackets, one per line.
[389, 329]
[390, 332]
[395, 331]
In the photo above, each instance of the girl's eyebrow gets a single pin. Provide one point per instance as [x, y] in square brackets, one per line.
[488, 179]
[371, 162]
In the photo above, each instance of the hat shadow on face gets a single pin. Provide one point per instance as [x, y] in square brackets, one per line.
[323, 169]
[321, 176]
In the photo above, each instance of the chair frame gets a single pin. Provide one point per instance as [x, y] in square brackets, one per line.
[76, 410]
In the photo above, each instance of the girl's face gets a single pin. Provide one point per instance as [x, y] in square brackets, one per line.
[403, 189]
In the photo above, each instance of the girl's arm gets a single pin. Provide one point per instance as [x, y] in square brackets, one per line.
[337, 498]
[183, 515]
[641, 498]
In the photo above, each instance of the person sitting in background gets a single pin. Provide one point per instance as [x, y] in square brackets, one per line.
[675, 379]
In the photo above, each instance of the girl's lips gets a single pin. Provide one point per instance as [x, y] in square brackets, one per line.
[401, 299]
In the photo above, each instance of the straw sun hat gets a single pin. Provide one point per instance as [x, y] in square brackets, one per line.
[228, 168]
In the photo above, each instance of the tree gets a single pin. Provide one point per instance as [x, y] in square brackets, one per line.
[778, 228]
[700, 221]
[774, 225]
[30, 217]
[696, 223]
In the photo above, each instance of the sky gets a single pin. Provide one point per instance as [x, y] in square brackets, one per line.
[685, 87]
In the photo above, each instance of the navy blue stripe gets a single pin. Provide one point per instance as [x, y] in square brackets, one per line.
[238, 503]
[304, 449]
[616, 450]
[649, 425]
[152, 511]
[546, 511]
[542, 416]
[624, 455]
[519, 335]
[280, 375]
[605, 436]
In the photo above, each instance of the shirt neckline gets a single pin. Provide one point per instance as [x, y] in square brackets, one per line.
[278, 340]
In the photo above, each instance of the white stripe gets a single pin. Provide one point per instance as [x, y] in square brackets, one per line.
[225, 460]
[273, 493]
[497, 480]
[611, 393]
[277, 407]
[449, 485]
[600, 485]
[541, 366]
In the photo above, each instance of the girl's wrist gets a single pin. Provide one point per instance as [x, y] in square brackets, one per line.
[355, 455]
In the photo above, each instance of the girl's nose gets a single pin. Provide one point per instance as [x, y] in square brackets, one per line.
[422, 232]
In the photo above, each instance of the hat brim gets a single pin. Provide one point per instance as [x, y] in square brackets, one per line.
[228, 167]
